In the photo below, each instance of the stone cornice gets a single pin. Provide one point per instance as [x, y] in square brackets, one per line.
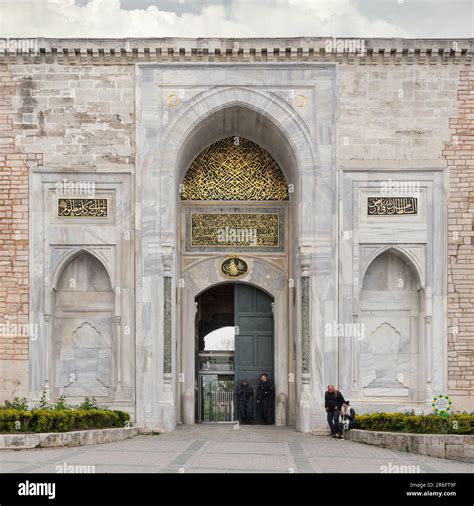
[321, 49]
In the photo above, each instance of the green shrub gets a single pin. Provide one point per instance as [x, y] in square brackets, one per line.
[56, 420]
[43, 404]
[456, 423]
[123, 417]
[9, 419]
[58, 417]
[89, 404]
[61, 405]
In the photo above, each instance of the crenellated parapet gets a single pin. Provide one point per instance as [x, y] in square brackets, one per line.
[352, 51]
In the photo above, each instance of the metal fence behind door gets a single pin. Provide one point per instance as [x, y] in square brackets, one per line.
[216, 399]
[223, 404]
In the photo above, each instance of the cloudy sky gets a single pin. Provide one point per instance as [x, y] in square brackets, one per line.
[237, 18]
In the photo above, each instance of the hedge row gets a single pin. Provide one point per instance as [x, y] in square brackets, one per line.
[458, 423]
[48, 420]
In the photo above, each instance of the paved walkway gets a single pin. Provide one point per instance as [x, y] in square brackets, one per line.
[221, 448]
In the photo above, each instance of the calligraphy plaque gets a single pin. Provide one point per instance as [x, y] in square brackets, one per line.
[82, 208]
[392, 206]
[235, 229]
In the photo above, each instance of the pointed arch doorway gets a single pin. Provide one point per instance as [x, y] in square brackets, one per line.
[234, 341]
[235, 211]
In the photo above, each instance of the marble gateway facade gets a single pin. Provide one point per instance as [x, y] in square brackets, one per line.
[370, 271]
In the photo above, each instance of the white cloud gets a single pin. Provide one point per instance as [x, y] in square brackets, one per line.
[249, 18]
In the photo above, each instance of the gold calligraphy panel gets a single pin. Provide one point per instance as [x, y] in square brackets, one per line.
[82, 208]
[234, 169]
[391, 206]
[235, 229]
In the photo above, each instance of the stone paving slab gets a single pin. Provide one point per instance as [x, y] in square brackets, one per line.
[240, 447]
[222, 449]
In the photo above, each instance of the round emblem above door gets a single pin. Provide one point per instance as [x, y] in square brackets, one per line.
[234, 267]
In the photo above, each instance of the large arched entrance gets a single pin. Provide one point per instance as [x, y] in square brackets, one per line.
[234, 258]
[233, 343]
[178, 257]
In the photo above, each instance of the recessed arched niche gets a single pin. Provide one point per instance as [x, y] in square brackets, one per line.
[390, 305]
[83, 330]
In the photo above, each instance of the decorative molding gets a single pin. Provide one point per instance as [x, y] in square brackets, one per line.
[167, 260]
[157, 50]
[305, 261]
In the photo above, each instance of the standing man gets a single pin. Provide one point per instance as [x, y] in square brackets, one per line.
[244, 394]
[265, 399]
[333, 401]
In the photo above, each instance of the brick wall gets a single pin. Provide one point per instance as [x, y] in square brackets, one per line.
[460, 157]
[14, 167]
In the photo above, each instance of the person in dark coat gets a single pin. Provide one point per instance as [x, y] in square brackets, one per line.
[333, 401]
[244, 394]
[265, 399]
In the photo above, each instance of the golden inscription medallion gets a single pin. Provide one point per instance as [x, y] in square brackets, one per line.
[234, 267]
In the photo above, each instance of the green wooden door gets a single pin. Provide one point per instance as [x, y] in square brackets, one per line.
[254, 336]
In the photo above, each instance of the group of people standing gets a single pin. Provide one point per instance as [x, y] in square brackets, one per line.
[340, 414]
[264, 398]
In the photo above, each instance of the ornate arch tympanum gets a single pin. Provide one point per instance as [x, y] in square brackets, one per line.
[234, 168]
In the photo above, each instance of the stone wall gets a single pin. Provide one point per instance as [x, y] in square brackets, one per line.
[52, 117]
[459, 153]
[79, 117]
[443, 446]
[395, 116]
[73, 110]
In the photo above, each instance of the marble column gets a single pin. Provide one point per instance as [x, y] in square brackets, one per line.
[304, 409]
[167, 399]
